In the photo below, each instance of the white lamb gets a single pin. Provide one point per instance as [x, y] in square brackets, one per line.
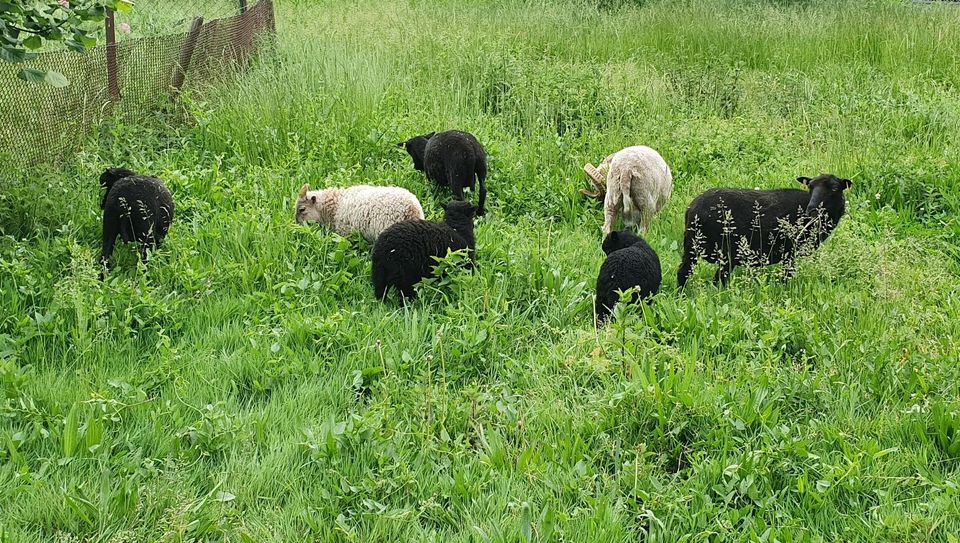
[638, 181]
[363, 208]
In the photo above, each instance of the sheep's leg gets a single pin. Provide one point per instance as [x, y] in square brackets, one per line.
[482, 181]
[111, 229]
[646, 213]
[610, 209]
[722, 277]
[380, 291]
[461, 175]
[686, 268]
[408, 293]
[789, 269]
[602, 311]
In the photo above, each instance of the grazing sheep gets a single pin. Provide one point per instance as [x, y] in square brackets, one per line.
[451, 159]
[403, 254]
[638, 181]
[363, 208]
[732, 227]
[630, 263]
[136, 207]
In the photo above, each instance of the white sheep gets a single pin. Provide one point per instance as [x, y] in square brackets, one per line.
[638, 181]
[363, 208]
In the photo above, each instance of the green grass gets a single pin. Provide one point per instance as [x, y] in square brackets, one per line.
[247, 386]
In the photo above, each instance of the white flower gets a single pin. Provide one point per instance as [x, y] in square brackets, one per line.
[125, 28]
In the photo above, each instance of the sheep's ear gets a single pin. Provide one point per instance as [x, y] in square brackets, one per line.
[313, 199]
[304, 189]
[804, 180]
[430, 135]
[846, 183]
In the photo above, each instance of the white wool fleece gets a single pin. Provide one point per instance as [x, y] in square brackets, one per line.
[639, 182]
[363, 208]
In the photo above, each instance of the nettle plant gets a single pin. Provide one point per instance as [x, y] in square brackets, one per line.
[27, 26]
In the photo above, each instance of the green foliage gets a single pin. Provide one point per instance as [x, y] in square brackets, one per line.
[246, 386]
[27, 27]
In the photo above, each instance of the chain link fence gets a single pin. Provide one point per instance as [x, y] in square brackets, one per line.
[156, 50]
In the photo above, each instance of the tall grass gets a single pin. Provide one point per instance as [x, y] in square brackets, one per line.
[246, 385]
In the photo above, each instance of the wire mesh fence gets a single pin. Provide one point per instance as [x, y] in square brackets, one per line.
[158, 49]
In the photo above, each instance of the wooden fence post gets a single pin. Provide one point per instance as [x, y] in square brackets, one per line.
[186, 53]
[113, 83]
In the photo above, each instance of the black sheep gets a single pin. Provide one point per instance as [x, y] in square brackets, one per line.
[630, 263]
[138, 208]
[452, 159]
[732, 227]
[403, 254]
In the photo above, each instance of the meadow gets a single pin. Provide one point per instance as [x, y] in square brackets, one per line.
[246, 386]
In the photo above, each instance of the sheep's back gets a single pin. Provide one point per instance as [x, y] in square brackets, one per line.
[634, 266]
[726, 217]
[371, 210]
[146, 200]
[637, 266]
[411, 244]
[746, 207]
[450, 148]
[651, 179]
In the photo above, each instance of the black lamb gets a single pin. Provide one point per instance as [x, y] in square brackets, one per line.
[630, 263]
[452, 159]
[403, 254]
[733, 227]
[138, 208]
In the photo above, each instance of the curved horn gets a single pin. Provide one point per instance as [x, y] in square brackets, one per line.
[595, 175]
[599, 183]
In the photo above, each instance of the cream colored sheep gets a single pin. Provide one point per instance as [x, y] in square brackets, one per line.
[638, 181]
[366, 209]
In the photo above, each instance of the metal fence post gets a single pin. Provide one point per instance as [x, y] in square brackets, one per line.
[113, 82]
[243, 6]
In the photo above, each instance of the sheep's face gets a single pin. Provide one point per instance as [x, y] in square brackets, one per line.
[826, 193]
[112, 175]
[417, 148]
[457, 211]
[619, 240]
[317, 206]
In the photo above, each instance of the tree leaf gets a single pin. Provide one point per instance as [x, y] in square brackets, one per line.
[56, 79]
[33, 42]
[13, 54]
[74, 45]
[124, 6]
[50, 77]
